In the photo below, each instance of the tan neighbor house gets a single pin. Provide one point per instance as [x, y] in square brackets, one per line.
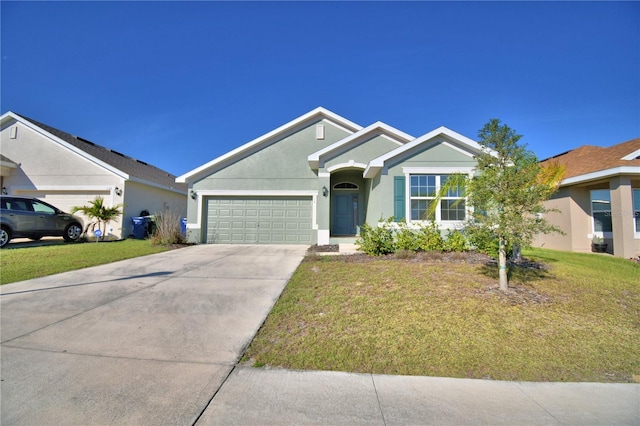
[37, 160]
[599, 196]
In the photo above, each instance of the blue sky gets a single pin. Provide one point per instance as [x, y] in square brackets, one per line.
[177, 84]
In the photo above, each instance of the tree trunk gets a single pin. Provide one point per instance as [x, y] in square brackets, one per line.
[502, 265]
[517, 253]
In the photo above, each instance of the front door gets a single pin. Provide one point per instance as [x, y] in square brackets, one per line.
[345, 214]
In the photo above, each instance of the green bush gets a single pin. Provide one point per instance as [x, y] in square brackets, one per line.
[429, 238]
[376, 240]
[483, 240]
[456, 241]
[406, 238]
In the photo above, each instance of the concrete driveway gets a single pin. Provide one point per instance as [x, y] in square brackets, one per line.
[142, 341]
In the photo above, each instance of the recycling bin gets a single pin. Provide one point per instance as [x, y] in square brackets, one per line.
[183, 226]
[140, 227]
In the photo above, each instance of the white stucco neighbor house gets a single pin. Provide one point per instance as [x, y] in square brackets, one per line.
[319, 177]
[40, 161]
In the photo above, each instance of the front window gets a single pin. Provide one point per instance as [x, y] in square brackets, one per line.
[423, 191]
[601, 210]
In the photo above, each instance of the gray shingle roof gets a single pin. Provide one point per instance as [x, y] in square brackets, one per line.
[131, 166]
[7, 160]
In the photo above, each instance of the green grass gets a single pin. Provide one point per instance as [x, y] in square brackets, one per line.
[579, 320]
[32, 262]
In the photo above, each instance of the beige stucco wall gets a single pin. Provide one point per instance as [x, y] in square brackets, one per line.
[44, 163]
[64, 178]
[574, 218]
[139, 197]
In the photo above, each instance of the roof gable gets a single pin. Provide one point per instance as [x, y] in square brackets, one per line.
[588, 162]
[458, 142]
[267, 139]
[362, 136]
[116, 162]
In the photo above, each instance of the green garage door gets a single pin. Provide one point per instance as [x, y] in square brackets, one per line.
[259, 220]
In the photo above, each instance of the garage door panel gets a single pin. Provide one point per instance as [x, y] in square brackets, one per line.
[263, 220]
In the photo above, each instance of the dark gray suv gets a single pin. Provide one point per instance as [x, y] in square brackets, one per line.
[24, 217]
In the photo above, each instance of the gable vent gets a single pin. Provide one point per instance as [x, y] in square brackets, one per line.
[320, 131]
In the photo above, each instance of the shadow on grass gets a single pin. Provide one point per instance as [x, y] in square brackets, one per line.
[524, 273]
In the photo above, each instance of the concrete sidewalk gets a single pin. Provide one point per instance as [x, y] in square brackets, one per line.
[277, 397]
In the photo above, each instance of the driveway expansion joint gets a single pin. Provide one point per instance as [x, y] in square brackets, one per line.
[375, 389]
[170, 361]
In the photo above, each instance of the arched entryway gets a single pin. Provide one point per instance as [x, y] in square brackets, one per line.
[347, 202]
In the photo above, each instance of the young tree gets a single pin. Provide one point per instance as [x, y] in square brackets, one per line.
[100, 213]
[507, 192]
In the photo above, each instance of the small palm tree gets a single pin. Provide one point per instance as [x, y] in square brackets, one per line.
[99, 213]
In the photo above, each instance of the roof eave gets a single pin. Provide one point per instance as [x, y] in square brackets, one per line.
[65, 144]
[379, 127]
[250, 146]
[158, 185]
[601, 174]
[378, 163]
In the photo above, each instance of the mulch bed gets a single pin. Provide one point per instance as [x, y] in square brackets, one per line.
[328, 248]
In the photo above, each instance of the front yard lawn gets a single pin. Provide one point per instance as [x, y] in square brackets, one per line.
[32, 262]
[575, 319]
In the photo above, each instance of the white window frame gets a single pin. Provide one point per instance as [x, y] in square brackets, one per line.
[438, 171]
[635, 192]
[594, 233]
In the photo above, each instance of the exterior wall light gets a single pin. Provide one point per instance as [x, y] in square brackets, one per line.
[193, 195]
[4, 190]
[325, 191]
[118, 191]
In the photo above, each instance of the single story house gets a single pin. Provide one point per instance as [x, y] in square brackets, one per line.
[319, 177]
[598, 197]
[66, 170]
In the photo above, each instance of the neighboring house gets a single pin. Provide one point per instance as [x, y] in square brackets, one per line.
[599, 196]
[66, 171]
[318, 178]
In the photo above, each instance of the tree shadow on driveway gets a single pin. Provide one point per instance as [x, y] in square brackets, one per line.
[132, 277]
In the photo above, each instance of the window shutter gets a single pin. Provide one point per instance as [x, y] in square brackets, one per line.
[398, 198]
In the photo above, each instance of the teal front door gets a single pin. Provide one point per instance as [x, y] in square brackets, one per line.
[345, 214]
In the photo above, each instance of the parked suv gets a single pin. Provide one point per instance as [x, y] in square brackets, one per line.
[25, 217]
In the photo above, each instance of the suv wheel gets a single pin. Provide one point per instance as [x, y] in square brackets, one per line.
[72, 232]
[5, 236]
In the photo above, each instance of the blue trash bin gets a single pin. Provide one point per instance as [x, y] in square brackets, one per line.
[183, 226]
[139, 227]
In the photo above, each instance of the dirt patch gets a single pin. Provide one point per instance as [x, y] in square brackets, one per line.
[517, 295]
[327, 248]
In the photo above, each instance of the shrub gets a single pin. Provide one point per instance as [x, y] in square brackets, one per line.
[429, 238]
[166, 229]
[456, 241]
[377, 240]
[483, 240]
[406, 238]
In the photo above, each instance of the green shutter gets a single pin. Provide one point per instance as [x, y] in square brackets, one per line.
[398, 198]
